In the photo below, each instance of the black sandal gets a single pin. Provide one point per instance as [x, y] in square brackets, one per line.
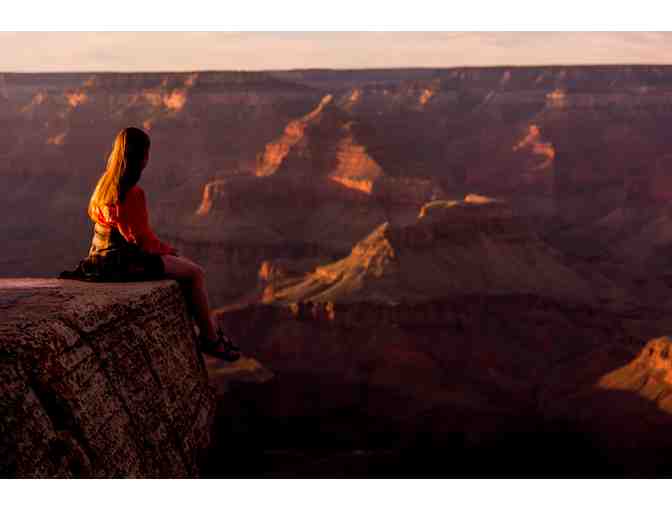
[227, 341]
[222, 348]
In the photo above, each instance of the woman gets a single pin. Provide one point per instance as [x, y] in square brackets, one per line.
[124, 246]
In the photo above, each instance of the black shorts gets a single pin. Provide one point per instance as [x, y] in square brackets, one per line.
[119, 266]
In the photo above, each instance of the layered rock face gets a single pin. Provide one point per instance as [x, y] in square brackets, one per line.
[454, 247]
[543, 138]
[504, 385]
[551, 386]
[622, 399]
[100, 380]
[232, 270]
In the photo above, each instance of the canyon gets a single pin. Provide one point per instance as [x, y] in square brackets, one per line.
[250, 166]
[509, 385]
[463, 263]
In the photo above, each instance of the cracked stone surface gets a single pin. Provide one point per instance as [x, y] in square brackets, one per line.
[100, 380]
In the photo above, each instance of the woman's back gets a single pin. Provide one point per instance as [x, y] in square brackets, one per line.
[131, 219]
[123, 246]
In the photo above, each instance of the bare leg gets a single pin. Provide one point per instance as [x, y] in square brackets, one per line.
[192, 279]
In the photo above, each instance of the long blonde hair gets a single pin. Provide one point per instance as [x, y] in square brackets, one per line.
[122, 171]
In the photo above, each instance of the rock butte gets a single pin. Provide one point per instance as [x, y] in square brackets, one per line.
[454, 247]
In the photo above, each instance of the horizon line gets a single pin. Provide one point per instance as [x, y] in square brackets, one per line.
[345, 69]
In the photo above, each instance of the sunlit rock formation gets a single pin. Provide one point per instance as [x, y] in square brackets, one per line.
[454, 247]
[276, 151]
[354, 167]
[622, 396]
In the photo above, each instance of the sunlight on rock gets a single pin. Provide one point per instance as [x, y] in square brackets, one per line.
[426, 95]
[153, 98]
[37, 100]
[556, 99]
[474, 198]
[649, 374]
[56, 140]
[532, 141]
[191, 80]
[275, 152]
[221, 373]
[357, 183]
[355, 168]
[76, 98]
[175, 100]
[209, 191]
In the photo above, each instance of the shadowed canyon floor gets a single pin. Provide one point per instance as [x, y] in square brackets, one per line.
[509, 364]
[484, 386]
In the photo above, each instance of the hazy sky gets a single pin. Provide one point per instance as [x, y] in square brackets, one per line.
[183, 51]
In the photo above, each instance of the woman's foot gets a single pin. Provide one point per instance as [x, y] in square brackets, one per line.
[227, 341]
[221, 347]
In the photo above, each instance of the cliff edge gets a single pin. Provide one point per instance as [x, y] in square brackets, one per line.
[100, 380]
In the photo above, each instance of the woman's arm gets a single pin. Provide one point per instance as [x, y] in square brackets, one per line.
[134, 224]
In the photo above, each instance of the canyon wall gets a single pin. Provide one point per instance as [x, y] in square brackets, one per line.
[580, 151]
[470, 246]
[476, 384]
[100, 380]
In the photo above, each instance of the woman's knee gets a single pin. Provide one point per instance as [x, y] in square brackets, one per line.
[182, 268]
[198, 273]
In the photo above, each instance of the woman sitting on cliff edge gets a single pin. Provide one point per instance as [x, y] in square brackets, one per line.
[124, 247]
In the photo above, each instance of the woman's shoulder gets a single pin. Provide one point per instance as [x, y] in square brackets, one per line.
[135, 195]
[135, 191]
[134, 202]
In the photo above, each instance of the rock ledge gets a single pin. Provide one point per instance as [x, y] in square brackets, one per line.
[100, 380]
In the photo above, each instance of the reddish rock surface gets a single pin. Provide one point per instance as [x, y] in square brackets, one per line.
[100, 380]
[454, 247]
[622, 398]
[474, 376]
[580, 152]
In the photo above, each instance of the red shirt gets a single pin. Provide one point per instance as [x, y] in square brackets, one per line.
[132, 220]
